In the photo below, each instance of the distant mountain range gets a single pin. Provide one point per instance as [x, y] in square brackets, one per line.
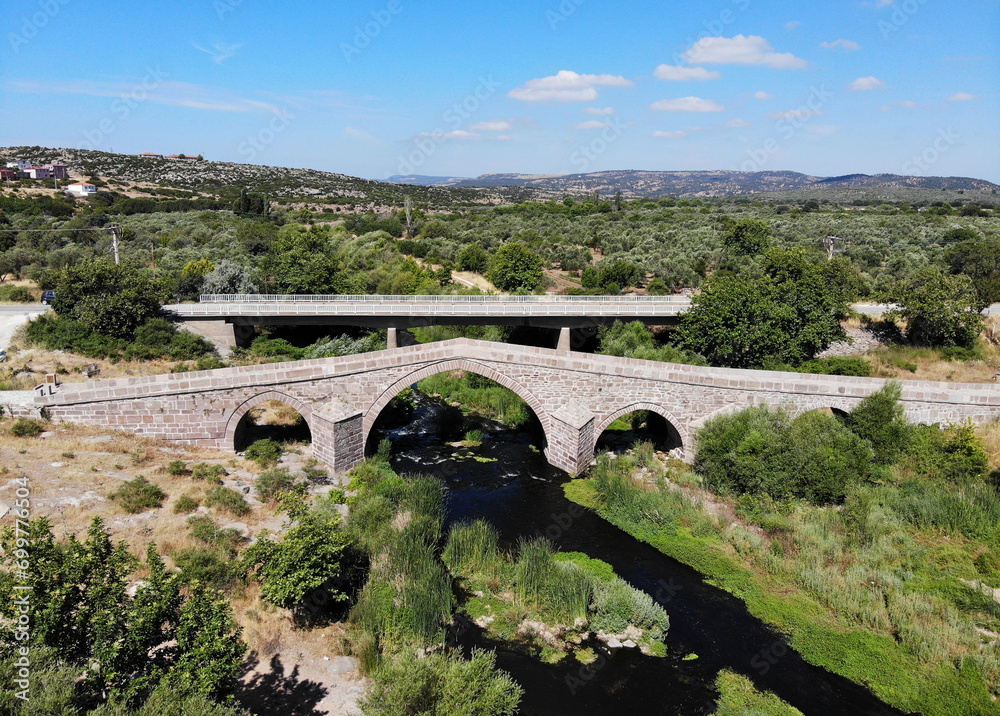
[702, 183]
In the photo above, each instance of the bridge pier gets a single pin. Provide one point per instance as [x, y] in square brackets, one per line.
[338, 435]
[391, 338]
[565, 343]
[571, 438]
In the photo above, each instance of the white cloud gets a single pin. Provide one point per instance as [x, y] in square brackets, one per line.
[363, 136]
[961, 97]
[167, 92]
[220, 51]
[823, 129]
[669, 135]
[842, 44]
[496, 125]
[687, 104]
[683, 74]
[885, 108]
[802, 113]
[740, 50]
[867, 83]
[738, 123]
[762, 95]
[503, 138]
[455, 134]
[907, 104]
[592, 124]
[792, 25]
[566, 86]
[598, 112]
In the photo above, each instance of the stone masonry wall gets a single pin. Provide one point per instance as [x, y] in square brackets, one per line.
[574, 395]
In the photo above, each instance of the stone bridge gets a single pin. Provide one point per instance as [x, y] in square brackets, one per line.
[574, 395]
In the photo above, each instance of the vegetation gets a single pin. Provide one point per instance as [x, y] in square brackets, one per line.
[265, 453]
[138, 495]
[738, 697]
[227, 500]
[480, 395]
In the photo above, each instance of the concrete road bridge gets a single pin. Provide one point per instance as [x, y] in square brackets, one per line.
[574, 395]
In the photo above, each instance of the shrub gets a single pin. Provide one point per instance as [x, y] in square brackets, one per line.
[138, 494]
[442, 685]
[616, 605]
[177, 467]
[474, 438]
[264, 452]
[228, 500]
[211, 567]
[472, 548]
[206, 471]
[16, 294]
[879, 419]
[185, 504]
[271, 486]
[204, 529]
[27, 428]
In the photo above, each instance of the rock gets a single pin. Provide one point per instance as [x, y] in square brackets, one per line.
[240, 527]
[4, 509]
[47, 434]
[632, 632]
[99, 439]
[342, 665]
[628, 644]
[57, 464]
[133, 588]
[613, 643]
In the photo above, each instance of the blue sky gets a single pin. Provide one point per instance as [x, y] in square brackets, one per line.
[439, 87]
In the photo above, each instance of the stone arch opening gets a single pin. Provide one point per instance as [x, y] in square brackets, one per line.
[270, 414]
[645, 422]
[386, 412]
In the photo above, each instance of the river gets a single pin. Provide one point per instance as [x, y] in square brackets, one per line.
[522, 495]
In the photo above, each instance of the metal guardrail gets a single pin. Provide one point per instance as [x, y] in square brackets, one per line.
[366, 298]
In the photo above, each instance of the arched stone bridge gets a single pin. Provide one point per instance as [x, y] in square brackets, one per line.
[575, 396]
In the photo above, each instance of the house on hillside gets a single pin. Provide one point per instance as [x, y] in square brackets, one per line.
[151, 155]
[19, 165]
[38, 172]
[8, 174]
[58, 171]
[82, 188]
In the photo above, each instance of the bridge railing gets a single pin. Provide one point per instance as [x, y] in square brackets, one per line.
[365, 298]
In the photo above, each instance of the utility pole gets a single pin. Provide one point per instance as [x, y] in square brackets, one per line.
[115, 231]
[830, 242]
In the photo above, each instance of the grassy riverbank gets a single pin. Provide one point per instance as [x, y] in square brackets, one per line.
[872, 591]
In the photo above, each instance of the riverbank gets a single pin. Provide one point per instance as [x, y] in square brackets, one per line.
[765, 568]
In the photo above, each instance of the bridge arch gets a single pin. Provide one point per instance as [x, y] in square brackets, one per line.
[682, 432]
[371, 415]
[235, 421]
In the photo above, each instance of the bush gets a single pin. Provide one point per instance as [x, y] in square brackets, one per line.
[264, 452]
[138, 494]
[177, 467]
[204, 529]
[271, 486]
[16, 294]
[211, 567]
[442, 685]
[514, 267]
[27, 428]
[616, 605]
[185, 504]
[227, 500]
[206, 471]
[879, 420]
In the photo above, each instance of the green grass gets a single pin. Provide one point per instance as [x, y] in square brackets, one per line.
[738, 697]
[227, 500]
[823, 632]
[476, 394]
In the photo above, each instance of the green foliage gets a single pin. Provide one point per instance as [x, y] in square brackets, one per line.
[442, 685]
[954, 454]
[635, 340]
[210, 652]
[138, 495]
[108, 299]
[27, 428]
[169, 699]
[478, 394]
[204, 529]
[977, 259]
[474, 438]
[738, 697]
[765, 451]
[156, 338]
[515, 266]
[788, 315]
[177, 467]
[748, 237]
[185, 504]
[940, 310]
[879, 420]
[227, 500]
[311, 555]
[273, 485]
[265, 453]
[616, 605]
[208, 471]
[472, 548]
[16, 294]
[473, 257]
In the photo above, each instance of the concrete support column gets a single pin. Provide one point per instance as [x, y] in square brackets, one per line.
[338, 436]
[565, 343]
[391, 339]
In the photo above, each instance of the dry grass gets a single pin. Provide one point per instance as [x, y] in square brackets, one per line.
[274, 412]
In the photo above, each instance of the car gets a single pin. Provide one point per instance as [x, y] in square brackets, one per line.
[48, 297]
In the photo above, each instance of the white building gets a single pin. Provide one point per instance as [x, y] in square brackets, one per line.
[81, 188]
[19, 165]
[39, 172]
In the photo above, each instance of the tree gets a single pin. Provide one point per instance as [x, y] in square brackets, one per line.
[748, 237]
[228, 277]
[515, 266]
[977, 259]
[940, 310]
[473, 257]
[879, 420]
[109, 299]
[301, 261]
[787, 316]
